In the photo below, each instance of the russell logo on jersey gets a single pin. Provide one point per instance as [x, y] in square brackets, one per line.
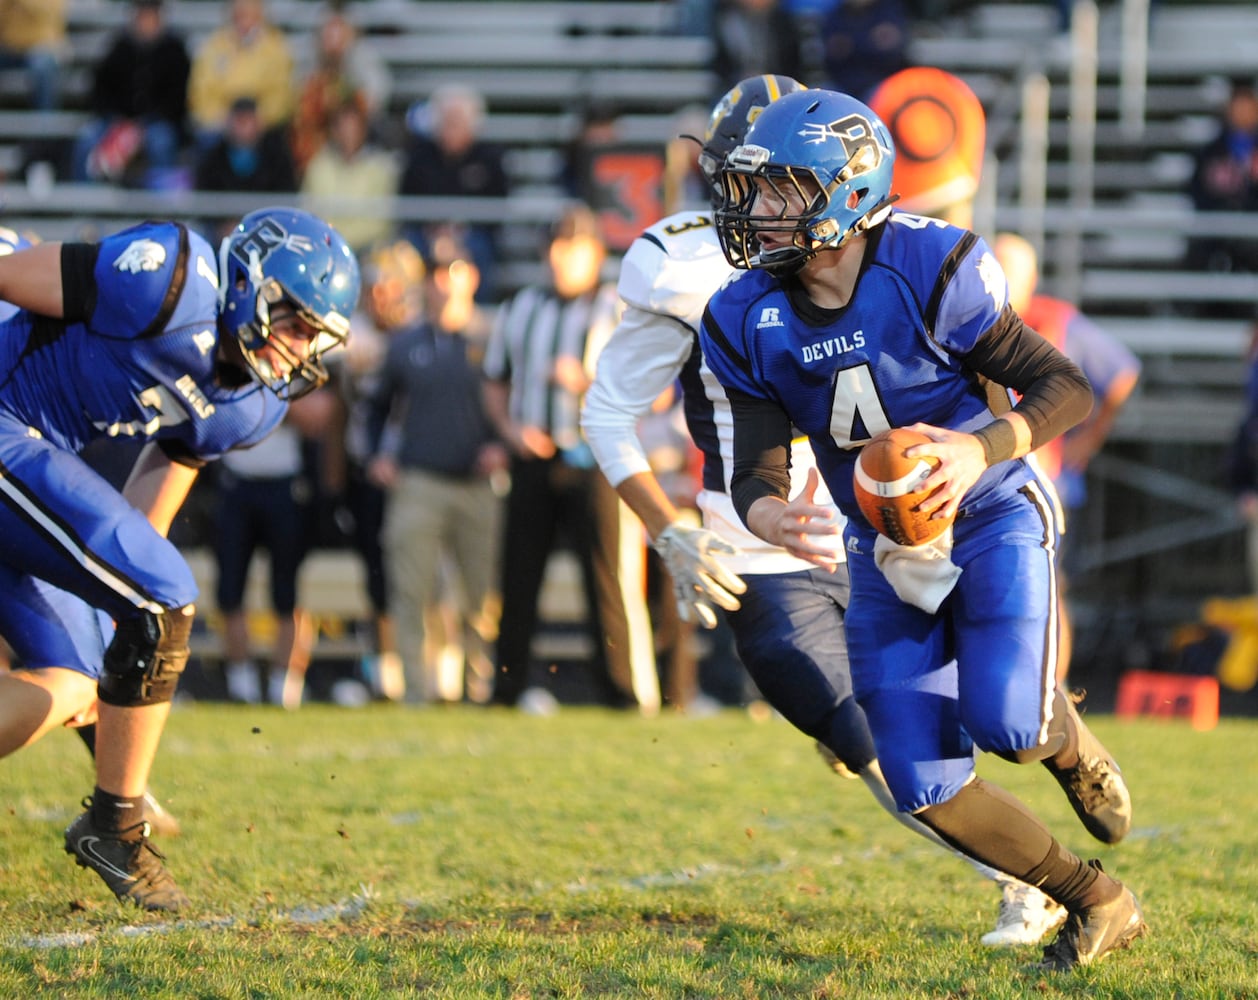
[769, 317]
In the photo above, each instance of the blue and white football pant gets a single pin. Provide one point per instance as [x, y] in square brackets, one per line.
[981, 672]
[72, 545]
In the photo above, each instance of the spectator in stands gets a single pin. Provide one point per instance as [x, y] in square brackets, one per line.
[752, 37]
[347, 168]
[263, 502]
[1225, 179]
[1111, 368]
[33, 38]
[598, 128]
[246, 57]
[864, 42]
[345, 68]
[139, 96]
[447, 156]
[539, 361]
[443, 468]
[247, 157]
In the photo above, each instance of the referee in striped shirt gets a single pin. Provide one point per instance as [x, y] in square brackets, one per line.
[539, 361]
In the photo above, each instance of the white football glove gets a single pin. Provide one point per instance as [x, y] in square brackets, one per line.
[699, 578]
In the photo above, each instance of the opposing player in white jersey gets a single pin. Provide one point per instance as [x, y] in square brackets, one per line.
[786, 615]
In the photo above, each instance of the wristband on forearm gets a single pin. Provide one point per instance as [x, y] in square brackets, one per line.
[998, 440]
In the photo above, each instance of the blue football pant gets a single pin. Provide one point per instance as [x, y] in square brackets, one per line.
[72, 545]
[980, 672]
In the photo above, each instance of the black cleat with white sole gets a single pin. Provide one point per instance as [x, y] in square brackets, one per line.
[127, 861]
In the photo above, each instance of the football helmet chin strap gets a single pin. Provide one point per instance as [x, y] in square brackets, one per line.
[146, 657]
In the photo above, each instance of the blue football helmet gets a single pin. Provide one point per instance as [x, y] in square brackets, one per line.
[285, 255]
[731, 116]
[823, 152]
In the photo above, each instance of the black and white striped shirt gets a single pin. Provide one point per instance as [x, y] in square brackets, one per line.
[534, 331]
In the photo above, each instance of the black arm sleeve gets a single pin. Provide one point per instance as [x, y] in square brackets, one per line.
[78, 283]
[762, 451]
[1055, 393]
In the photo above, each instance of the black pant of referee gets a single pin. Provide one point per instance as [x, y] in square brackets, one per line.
[552, 500]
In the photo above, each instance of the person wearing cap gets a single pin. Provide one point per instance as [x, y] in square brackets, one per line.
[246, 157]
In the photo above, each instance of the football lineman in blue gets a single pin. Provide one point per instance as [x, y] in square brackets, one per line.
[849, 319]
[147, 336]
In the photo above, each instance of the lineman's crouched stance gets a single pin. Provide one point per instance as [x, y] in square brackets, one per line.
[147, 337]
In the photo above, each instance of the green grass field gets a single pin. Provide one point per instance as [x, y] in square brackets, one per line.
[477, 853]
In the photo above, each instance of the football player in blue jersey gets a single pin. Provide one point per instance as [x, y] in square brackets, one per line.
[786, 614]
[76, 702]
[147, 336]
[849, 319]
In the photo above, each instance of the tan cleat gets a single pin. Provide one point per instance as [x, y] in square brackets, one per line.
[1095, 785]
[1091, 934]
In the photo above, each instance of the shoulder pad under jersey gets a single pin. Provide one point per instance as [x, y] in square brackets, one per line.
[673, 267]
[140, 275]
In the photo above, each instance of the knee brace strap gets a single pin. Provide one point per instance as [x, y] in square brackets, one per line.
[146, 657]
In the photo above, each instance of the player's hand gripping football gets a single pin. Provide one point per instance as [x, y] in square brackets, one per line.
[699, 579]
[961, 463]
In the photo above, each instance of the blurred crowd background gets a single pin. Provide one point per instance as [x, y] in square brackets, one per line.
[447, 140]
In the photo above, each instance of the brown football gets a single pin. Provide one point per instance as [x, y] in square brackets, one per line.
[888, 488]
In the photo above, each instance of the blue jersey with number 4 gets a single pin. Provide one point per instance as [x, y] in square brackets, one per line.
[893, 356]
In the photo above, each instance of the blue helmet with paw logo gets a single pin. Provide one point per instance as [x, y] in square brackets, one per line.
[284, 256]
[815, 165]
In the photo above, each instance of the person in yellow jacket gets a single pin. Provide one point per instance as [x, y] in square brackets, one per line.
[247, 57]
[33, 37]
